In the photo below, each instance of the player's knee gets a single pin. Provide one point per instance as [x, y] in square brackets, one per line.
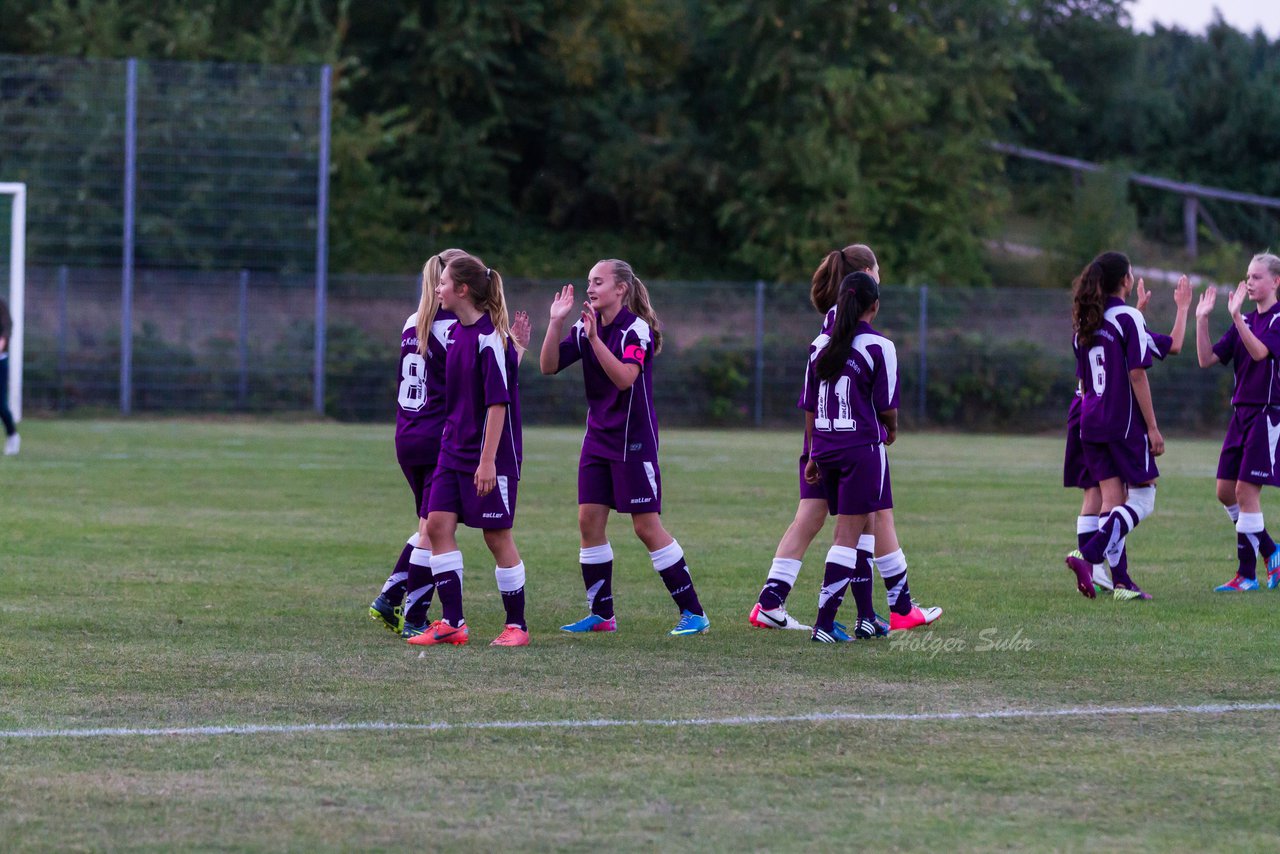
[1226, 492]
[1143, 500]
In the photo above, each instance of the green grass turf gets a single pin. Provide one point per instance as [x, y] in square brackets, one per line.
[168, 574]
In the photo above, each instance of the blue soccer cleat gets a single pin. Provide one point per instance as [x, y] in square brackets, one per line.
[1239, 584]
[592, 623]
[836, 635]
[690, 624]
[1273, 570]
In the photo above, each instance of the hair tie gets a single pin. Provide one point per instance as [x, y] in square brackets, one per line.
[488, 274]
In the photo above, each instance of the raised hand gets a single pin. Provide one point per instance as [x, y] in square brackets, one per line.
[589, 321]
[520, 329]
[1235, 302]
[1207, 300]
[562, 305]
[1144, 295]
[1182, 293]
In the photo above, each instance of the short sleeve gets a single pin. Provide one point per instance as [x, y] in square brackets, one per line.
[1137, 353]
[570, 347]
[884, 388]
[1161, 344]
[493, 371]
[1225, 349]
[635, 350]
[1269, 334]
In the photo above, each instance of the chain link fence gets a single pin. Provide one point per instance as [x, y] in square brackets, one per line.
[734, 353]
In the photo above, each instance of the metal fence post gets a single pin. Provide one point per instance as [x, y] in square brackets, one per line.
[322, 237]
[126, 266]
[921, 407]
[64, 334]
[242, 342]
[759, 410]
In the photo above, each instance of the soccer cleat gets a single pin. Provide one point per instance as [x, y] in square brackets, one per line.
[914, 618]
[1128, 594]
[592, 623]
[412, 631]
[442, 632]
[776, 618]
[512, 635]
[1084, 574]
[882, 625]
[836, 635]
[690, 624]
[866, 629]
[1101, 578]
[1273, 570]
[12, 444]
[391, 616]
[1239, 584]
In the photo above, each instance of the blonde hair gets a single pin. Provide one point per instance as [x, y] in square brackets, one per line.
[824, 287]
[1271, 261]
[428, 305]
[485, 286]
[637, 300]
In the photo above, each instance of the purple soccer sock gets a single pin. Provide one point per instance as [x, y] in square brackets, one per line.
[1247, 557]
[893, 571]
[446, 569]
[419, 587]
[840, 567]
[597, 578]
[1120, 569]
[670, 565]
[393, 588]
[860, 582]
[1086, 527]
[1115, 526]
[511, 586]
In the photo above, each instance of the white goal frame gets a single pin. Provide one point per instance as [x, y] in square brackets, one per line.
[17, 290]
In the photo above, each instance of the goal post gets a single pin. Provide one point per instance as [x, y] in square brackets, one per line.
[17, 290]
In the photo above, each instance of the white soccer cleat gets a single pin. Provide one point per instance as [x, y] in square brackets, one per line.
[1102, 578]
[777, 618]
[11, 445]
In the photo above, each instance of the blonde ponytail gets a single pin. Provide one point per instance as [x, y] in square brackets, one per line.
[638, 299]
[428, 305]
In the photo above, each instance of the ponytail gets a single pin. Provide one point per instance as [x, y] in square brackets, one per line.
[1103, 277]
[858, 293]
[824, 287]
[428, 305]
[637, 299]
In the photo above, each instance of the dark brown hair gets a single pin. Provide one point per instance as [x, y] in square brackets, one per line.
[825, 286]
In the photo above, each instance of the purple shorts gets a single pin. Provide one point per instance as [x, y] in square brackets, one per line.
[1250, 446]
[419, 477]
[634, 486]
[809, 490]
[1075, 474]
[455, 492]
[860, 486]
[1128, 459]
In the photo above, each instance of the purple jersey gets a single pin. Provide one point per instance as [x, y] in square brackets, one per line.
[1257, 382]
[478, 374]
[420, 402]
[1109, 410]
[845, 408]
[621, 425]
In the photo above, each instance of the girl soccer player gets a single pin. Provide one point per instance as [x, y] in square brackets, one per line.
[851, 396]
[1118, 432]
[616, 337]
[478, 468]
[1247, 461]
[1074, 473]
[12, 440]
[770, 611]
[406, 594]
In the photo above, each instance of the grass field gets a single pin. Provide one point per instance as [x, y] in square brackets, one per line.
[187, 574]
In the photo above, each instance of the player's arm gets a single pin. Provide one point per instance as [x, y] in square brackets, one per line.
[521, 329]
[1235, 304]
[811, 472]
[1204, 348]
[561, 308]
[1142, 393]
[889, 418]
[1181, 299]
[621, 374]
[487, 473]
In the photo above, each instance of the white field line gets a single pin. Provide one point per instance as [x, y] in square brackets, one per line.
[603, 723]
